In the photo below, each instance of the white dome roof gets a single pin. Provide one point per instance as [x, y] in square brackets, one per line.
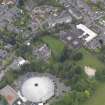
[38, 89]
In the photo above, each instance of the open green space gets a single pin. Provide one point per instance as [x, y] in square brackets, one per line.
[56, 45]
[90, 60]
[99, 97]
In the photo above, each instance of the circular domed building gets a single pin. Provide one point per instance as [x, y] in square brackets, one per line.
[38, 89]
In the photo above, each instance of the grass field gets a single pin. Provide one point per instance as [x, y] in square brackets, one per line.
[56, 45]
[99, 97]
[90, 60]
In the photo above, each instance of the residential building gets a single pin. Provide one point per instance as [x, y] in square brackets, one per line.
[42, 52]
[17, 63]
[3, 54]
[74, 12]
[8, 2]
[64, 17]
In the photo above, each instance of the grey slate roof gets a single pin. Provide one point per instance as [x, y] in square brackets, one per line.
[64, 17]
[3, 54]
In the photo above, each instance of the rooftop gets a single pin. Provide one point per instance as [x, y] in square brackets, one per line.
[3, 54]
[38, 89]
[88, 33]
[10, 94]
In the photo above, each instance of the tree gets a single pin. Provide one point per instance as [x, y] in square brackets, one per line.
[100, 75]
[101, 54]
[19, 3]
[78, 56]
[24, 50]
[10, 77]
[67, 54]
[3, 100]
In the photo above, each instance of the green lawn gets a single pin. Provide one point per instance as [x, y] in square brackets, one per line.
[90, 60]
[99, 97]
[56, 45]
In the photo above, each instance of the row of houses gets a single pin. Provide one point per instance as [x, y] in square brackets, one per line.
[8, 15]
[10, 2]
[64, 17]
[67, 16]
[72, 9]
[40, 14]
